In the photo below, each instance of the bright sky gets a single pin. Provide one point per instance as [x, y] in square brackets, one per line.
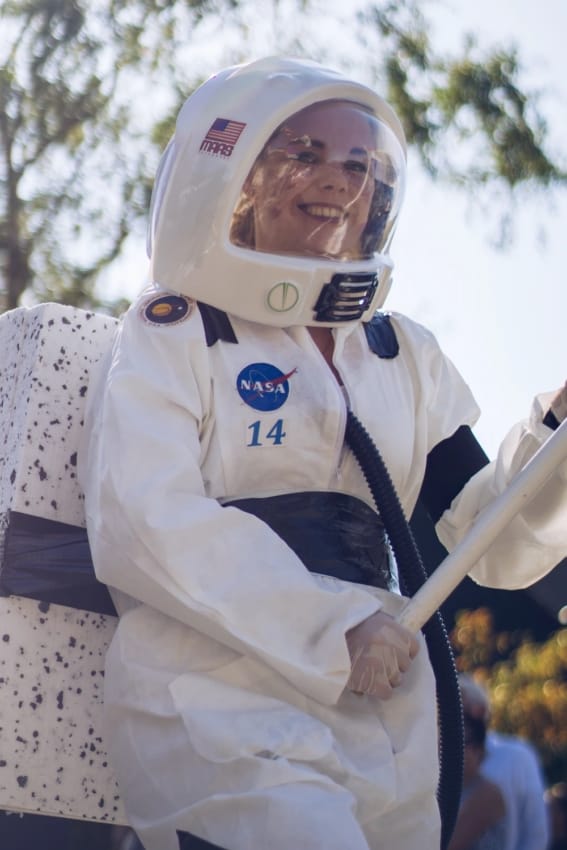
[500, 315]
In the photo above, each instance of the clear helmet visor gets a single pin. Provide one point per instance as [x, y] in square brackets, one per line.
[328, 183]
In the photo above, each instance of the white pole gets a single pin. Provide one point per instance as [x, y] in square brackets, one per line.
[486, 528]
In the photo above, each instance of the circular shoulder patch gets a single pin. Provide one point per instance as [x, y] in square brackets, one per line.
[167, 310]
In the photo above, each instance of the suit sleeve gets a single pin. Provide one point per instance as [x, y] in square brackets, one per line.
[536, 540]
[459, 481]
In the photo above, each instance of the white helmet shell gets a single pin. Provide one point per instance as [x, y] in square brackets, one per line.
[220, 131]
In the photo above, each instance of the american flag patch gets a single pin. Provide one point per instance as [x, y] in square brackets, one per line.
[222, 136]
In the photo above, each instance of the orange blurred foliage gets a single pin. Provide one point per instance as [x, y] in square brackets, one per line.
[526, 681]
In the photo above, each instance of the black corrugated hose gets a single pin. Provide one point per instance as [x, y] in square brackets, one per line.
[412, 576]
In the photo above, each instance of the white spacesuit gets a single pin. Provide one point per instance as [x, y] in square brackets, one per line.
[228, 710]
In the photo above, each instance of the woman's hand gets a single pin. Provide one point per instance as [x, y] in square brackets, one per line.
[559, 404]
[381, 651]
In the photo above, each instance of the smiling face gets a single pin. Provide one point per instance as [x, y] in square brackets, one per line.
[314, 186]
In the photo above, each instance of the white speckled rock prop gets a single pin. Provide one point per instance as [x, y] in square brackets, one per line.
[52, 756]
[46, 356]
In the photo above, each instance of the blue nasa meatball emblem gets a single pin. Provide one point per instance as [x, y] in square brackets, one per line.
[263, 386]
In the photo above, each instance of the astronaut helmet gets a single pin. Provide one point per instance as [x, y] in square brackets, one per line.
[277, 196]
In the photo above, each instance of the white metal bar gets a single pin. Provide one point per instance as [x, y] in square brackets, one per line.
[489, 523]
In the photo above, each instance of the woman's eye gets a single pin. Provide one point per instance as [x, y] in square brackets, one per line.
[356, 166]
[308, 157]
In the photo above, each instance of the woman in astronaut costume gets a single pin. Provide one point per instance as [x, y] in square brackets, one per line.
[249, 701]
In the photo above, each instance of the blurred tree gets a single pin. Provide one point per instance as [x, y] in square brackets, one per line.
[527, 683]
[73, 172]
[88, 90]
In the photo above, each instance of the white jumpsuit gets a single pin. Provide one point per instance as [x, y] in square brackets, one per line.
[226, 710]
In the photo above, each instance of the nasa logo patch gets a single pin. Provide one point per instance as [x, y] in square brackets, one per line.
[263, 386]
[167, 310]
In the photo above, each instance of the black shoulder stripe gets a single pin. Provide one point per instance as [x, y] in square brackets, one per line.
[450, 464]
[217, 325]
[381, 336]
[551, 420]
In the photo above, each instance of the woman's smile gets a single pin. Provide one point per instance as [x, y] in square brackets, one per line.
[324, 212]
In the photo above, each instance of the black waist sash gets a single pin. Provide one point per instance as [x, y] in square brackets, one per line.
[51, 561]
[332, 533]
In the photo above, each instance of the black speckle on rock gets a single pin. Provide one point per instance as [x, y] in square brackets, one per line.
[22, 781]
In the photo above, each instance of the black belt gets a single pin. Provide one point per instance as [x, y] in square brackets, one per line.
[331, 533]
[51, 561]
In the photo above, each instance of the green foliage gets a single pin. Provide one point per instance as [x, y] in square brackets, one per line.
[54, 102]
[466, 115]
[76, 166]
[486, 91]
[526, 680]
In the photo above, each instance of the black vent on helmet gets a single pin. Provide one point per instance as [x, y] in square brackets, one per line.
[346, 297]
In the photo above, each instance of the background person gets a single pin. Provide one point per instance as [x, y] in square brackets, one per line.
[513, 764]
[481, 820]
[556, 801]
